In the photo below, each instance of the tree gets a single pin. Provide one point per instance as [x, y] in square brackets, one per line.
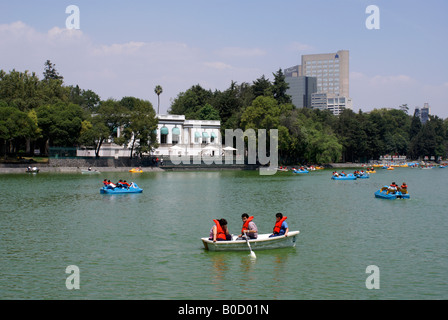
[279, 88]
[228, 103]
[404, 107]
[61, 124]
[262, 87]
[15, 125]
[189, 102]
[87, 99]
[352, 136]
[140, 128]
[158, 90]
[207, 112]
[93, 133]
[50, 72]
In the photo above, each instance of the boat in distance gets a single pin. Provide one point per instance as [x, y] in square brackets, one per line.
[134, 188]
[300, 171]
[349, 176]
[263, 242]
[90, 171]
[32, 170]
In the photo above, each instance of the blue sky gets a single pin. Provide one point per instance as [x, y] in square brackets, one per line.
[127, 48]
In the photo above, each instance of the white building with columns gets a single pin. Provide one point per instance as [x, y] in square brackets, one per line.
[175, 135]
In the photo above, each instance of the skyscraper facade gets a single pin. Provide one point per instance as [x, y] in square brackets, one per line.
[423, 113]
[321, 82]
[330, 69]
[300, 88]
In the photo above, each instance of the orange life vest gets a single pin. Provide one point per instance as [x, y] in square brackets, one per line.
[404, 186]
[220, 233]
[246, 224]
[278, 225]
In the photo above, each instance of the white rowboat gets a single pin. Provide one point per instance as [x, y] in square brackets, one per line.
[261, 243]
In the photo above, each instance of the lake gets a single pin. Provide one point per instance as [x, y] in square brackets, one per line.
[147, 246]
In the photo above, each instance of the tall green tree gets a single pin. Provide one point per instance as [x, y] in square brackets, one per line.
[50, 72]
[279, 88]
[262, 87]
[158, 90]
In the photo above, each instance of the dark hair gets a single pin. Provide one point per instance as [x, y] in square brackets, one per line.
[222, 222]
[279, 215]
[244, 215]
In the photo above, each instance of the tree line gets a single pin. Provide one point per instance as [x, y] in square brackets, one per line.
[315, 136]
[42, 113]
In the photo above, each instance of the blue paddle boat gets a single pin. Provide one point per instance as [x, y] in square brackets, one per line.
[349, 176]
[300, 171]
[134, 188]
[382, 193]
[362, 176]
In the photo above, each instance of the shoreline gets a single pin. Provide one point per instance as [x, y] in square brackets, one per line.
[75, 169]
[66, 169]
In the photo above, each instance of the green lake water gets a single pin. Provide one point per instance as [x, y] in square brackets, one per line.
[147, 246]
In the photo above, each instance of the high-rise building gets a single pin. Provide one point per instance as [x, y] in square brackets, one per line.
[423, 113]
[300, 88]
[330, 69]
[321, 82]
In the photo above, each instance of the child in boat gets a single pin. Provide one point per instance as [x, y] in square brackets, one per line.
[281, 227]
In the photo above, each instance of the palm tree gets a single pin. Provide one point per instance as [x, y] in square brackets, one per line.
[158, 90]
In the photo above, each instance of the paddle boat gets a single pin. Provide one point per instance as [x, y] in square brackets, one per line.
[32, 170]
[136, 170]
[134, 188]
[349, 176]
[362, 176]
[282, 169]
[382, 193]
[300, 171]
[371, 171]
[263, 242]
